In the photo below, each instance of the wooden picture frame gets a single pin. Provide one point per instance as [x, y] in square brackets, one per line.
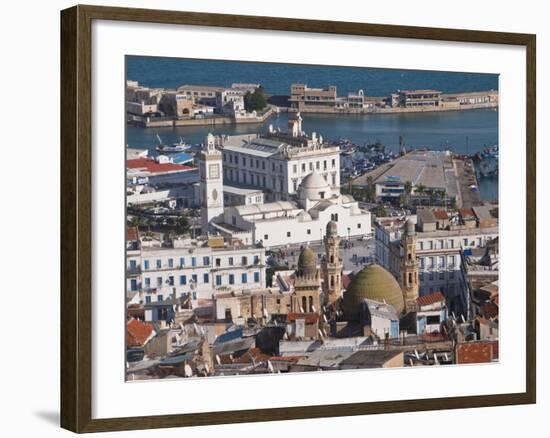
[76, 217]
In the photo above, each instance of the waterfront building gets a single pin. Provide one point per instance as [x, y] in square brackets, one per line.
[416, 98]
[277, 162]
[191, 268]
[201, 94]
[304, 98]
[438, 253]
[158, 170]
[233, 196]
[141, 100]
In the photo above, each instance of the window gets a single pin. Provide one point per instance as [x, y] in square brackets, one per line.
[146, 264]
[432, 319]
[465, 242]
[430, 245]
[231, 279]
[170, 263]
[183, 280]
[133, 284]
[159, 281]
[431, 277]
[193, 261]
[160, 298]
[442, 244]
[421, 276]
[451, 275]
[442, 261]
[230, 261]
[333, 163]
[451, 261]
[205, 278]
[266, 236]
[182, 261]
[442, 275]
[159, 264]
[147, 282]
[288, 234]
[218, 262]
[324, 164]
[206, 261]
[133, 264]
[171, 280]
[194, 278]
[256, 277]
[218, 280]
[303, 167]
[256, 259]
[310, 166]
[308, 231]
[317, 165]
[430, 262]
[244, 278]
[294, 168]
[244, 260]
[421, 262]
[451, 243]
[358, 225]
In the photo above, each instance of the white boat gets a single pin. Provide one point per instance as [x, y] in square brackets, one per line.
[176, 147]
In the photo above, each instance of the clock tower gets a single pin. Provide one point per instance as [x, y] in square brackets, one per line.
[211, 182]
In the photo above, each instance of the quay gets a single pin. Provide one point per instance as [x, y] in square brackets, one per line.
[326, 100]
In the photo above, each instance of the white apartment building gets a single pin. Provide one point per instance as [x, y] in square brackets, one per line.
[278, 162]
[156, 273]
[439, 256]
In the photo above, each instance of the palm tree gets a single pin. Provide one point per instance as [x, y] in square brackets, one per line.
[408, 191]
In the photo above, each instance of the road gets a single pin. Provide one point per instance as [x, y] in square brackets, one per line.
[355, 254]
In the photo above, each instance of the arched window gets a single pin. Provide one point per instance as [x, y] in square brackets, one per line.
[410, 277]
[311, 304]
[332, 281]
[304, 304]
[332, 258]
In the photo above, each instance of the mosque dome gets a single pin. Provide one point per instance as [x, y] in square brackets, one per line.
[375, 283]
[332, 229]
[314, 187]
[307, 263]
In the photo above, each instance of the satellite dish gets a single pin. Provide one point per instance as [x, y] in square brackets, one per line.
[187, 370]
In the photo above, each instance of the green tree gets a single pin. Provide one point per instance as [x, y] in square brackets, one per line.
[380, 211]
[255, 101]
[182, 225]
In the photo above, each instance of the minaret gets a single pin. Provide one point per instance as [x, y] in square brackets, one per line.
[409, 266]
[211, 182]
[332, 266]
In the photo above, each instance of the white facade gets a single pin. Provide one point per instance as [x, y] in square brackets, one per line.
[289, 223]
[278, 163]
[157, 273]
[438, 252]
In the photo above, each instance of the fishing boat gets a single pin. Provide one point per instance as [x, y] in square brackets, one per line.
[175, 147]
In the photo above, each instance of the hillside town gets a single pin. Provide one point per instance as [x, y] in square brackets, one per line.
[284, 251]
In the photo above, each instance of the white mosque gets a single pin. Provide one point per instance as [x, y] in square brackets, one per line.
[301, 219]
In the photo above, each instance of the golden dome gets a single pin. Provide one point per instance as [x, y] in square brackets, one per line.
[307, 263]
[375, 283]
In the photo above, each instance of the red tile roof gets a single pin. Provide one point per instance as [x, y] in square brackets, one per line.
[152, 166]
[132, 234]
[440, 214]
[489, 310]
[310, 318]
[467, 213]
[474, 352]
[426, 300]
[137, 333]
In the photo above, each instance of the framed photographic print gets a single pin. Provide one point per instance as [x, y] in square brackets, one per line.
[268, 218]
